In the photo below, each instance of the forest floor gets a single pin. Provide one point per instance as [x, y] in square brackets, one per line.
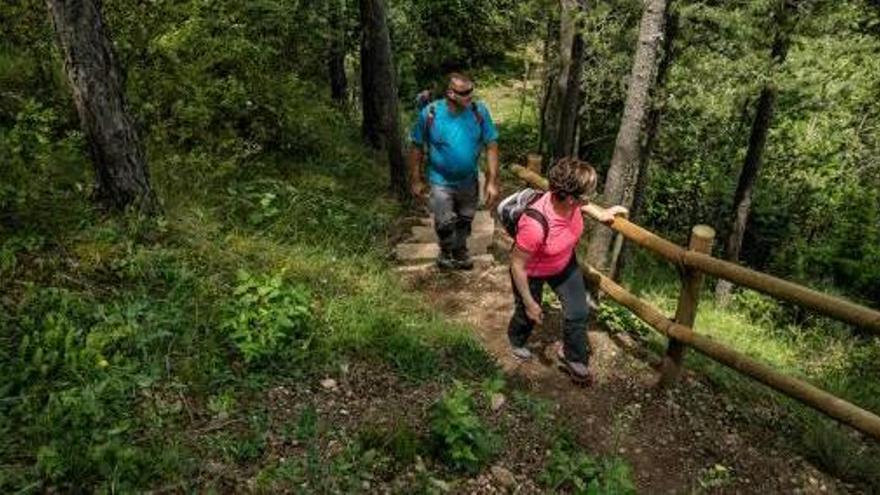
[686, 439]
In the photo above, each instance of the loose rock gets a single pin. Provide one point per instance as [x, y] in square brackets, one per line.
[503, 476]
[498, 401]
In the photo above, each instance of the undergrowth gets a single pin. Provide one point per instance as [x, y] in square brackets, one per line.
[823, 352]
[117, 333]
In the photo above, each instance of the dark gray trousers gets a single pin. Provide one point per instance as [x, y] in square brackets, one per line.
[454, 209]
[569, 287]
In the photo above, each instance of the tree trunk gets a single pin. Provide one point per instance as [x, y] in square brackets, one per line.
[381, 126]
[653, 128]
[620, 182]
[122, 176]
[564, 97]
[742, 199]
[547, 85]
[336, 51]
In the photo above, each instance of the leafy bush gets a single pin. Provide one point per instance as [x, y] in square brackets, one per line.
[617, 318]
[459, 435]
[267, 317]
[571, 469]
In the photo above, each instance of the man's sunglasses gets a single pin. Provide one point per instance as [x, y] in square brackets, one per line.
[464, 93]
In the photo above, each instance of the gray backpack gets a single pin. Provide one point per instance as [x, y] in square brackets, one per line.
[513, 207]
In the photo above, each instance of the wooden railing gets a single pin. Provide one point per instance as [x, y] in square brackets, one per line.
[696, 261]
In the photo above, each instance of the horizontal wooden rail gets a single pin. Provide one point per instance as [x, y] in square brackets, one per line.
[834, 307]
[810, 395]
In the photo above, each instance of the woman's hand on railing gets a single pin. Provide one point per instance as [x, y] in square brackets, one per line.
[604, 215]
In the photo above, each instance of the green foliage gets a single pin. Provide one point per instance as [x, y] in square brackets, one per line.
[269, 319]
[308, 213]
[399, 443]
[714, 477]
[459, 435]
[831, 447]
[572, 470]
[432, 38]
[617, 318]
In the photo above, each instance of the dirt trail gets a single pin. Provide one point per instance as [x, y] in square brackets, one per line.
[690, 439]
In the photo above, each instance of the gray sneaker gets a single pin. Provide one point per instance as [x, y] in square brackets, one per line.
[521, 353]
[577, 370]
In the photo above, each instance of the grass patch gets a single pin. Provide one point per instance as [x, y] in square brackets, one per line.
[819, 351]
[118, 333]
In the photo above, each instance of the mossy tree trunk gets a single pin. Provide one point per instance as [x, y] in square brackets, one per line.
[381, 126]
[122, 176]
[653, 128]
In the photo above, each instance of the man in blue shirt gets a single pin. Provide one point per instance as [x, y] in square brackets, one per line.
[452, 132]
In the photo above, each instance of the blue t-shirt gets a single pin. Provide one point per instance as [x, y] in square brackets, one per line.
[456, 141]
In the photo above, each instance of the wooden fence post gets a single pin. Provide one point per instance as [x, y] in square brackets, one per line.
[702, 238]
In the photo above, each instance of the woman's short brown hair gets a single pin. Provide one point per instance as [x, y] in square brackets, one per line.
[571, 177]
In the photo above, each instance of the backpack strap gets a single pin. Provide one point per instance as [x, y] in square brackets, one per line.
[541, 219]
[479, 117]
[429, 123]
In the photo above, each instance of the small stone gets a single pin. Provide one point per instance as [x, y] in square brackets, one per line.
[498, 401]
[328, 384]
[503, 476]
[343, 412]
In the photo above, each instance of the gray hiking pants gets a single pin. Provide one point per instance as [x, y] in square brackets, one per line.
[569, 286]
[454, 209]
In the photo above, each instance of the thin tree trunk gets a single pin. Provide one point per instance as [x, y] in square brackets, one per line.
[548, 81]
[122, 176]
[653, 128]
[571, 100]
[620, 182]
[381, 126]
[742, 199]
[336, 51]
[563, 101]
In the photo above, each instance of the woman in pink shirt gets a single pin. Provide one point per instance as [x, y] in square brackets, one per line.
[544, 252]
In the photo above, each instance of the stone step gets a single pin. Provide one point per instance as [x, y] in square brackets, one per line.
[482, 261]
[414, 251]
[483, 222]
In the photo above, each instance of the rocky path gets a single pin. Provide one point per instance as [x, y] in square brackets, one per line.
[690, 439]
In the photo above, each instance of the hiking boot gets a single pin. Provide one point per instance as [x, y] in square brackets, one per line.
[577, 370]
[445, 261]
[522, 353]
[462, 260]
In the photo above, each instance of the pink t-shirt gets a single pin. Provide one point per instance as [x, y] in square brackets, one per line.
[548, 257]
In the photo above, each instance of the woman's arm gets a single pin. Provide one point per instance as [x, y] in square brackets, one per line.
[604, 215]
[518, 259]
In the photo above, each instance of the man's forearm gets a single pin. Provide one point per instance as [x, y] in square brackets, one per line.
[492, 162]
